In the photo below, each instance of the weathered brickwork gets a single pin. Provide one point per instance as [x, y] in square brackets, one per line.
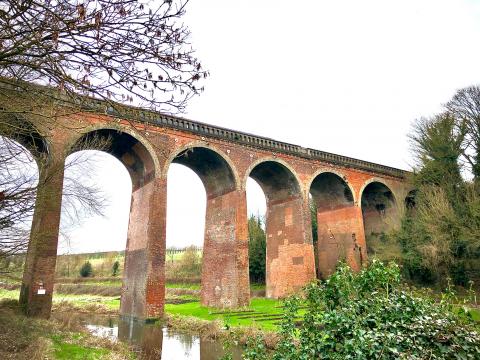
[223, 159]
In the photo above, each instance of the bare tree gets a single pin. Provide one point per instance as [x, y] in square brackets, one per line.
[465, 107]
[122, 49]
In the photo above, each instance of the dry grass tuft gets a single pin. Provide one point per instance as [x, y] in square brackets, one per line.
[181, 291]
[85, 289]
[67, 307]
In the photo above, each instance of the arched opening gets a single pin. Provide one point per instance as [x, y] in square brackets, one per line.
[338, 235]
[97, 192]
[380, 214]
[187, 202]
[141, 234]
[224, 283]
[290, 261]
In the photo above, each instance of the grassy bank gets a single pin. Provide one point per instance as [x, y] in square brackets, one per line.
[58, 338]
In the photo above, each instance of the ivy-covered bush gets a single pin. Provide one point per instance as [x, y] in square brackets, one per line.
[370, 315]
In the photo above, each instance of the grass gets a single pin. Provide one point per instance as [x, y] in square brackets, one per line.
[112, 303]
[258, 305]
[475, 314]
[66, 350]
[182, 286]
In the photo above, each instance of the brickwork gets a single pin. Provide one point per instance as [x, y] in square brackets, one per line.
[38, 277]
[225, 252]
[223, 159]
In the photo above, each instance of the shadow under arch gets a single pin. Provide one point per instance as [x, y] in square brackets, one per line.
[214, 170]
[224, 279]
[290, 261]
[380, 214]
[139, 161]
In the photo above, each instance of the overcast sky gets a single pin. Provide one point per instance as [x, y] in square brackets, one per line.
[347, 77]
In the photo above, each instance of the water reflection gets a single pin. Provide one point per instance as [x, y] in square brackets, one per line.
[157, 342]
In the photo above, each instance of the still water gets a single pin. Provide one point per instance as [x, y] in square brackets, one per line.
[155, 341]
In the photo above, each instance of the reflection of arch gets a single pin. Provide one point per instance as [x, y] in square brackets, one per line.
[216, 172]
[277, 180]
[330, 191]
[126, 147]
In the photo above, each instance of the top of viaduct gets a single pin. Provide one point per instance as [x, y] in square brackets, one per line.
[242, 138]
[132, 113]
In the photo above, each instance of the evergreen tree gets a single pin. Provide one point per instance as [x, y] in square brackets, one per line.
[86, 270]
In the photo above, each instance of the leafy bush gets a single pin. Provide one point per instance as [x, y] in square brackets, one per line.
[369, 315]
[86, 270]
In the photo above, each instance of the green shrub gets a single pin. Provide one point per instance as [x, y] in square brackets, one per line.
[115, 268]
[86, 270]
[369, 315]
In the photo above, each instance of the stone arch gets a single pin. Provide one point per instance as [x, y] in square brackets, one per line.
[330, 190]
[134, 152]
[380, 214]
[375, 180]
[276, 178]
[294, 175]
[214, 169]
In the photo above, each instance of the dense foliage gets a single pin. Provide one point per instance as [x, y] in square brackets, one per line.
[370, 315]
[440, 235]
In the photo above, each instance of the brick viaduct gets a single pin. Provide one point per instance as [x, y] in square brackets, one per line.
[353, 198]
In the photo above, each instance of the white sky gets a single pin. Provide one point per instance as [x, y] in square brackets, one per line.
[347, 77]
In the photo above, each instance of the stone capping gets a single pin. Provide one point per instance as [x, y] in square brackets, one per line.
[211, 131]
